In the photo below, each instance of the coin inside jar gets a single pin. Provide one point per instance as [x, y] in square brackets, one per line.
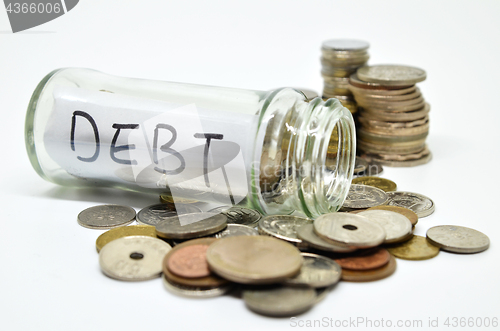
[133, 258]
[189, 262]
[349, 230]
[254, 259]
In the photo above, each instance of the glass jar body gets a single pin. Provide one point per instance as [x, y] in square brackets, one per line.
[275, 148]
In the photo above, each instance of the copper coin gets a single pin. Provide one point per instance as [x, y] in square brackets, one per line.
[370, 275]
[362, 261]
[190, 262]
[410, 214]
[212, 280]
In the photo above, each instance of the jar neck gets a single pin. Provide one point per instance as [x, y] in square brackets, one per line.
[315, 142]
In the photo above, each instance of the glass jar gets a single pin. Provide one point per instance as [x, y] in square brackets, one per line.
[275, 149]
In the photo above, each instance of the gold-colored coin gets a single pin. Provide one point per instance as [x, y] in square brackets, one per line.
[167, 198]
[370, 275]
[417, 248]
[384, 184]
[254, 259]
[410, 214]
[124, 231]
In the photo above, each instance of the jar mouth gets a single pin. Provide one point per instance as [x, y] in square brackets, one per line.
[332, 157]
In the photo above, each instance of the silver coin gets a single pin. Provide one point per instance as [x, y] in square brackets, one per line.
[360, 165]
[345, 45]
[106, 216]
[237, 230]
[316, 271]
[133, 258]
[364, 196]
[191, 226]
[420, 204]
[283, 227]
[238, 215]
[349, 230]
[195, 292]
[396, 226]
[152, 215]
[393, 75]
[458, 239]
[280, 301]
[307, 234]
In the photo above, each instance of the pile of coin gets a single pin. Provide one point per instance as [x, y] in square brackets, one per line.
[392, 119]
[341, 58]
[280, 265]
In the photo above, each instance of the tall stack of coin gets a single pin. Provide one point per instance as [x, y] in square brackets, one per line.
[341, 58]
[393, 120]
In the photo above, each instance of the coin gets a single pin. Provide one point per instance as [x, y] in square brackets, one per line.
[152, 215]
[189, 262]
[307, 234]
[280, 301]
[458, 239]
[392, 75]
[283, 227]
[397, 227]
[410, 214]
[349, 230]
[124, 231]
[409, 163]
[190, 226]
[356, 82]
[237, 230]
[239, 215]
[363, 196]
[316, 271]
[167, 198]
[133, 258]
[420, 204]
[345, 45]
[374, 258]
[360, 165]
[384, 184]
[106, 216]
[195, 292]
[417, 248]
[373, 92]
[254, 259]
[370, 275]
[210, 281]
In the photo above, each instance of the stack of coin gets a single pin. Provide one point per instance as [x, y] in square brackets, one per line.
[341, 58]
[392, 120]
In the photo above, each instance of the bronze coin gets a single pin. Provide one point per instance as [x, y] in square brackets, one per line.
[374, 259]
[370, 275]
[189, 262]
[410, 214]
[212, 280]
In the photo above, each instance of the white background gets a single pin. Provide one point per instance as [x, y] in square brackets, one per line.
[50, 277]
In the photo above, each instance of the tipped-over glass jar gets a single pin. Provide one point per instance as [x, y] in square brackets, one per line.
[280, 151]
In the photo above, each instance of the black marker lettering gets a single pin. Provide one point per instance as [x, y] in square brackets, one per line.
[96, 135]
[208, 137]
[115, 149]
[166, 148]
